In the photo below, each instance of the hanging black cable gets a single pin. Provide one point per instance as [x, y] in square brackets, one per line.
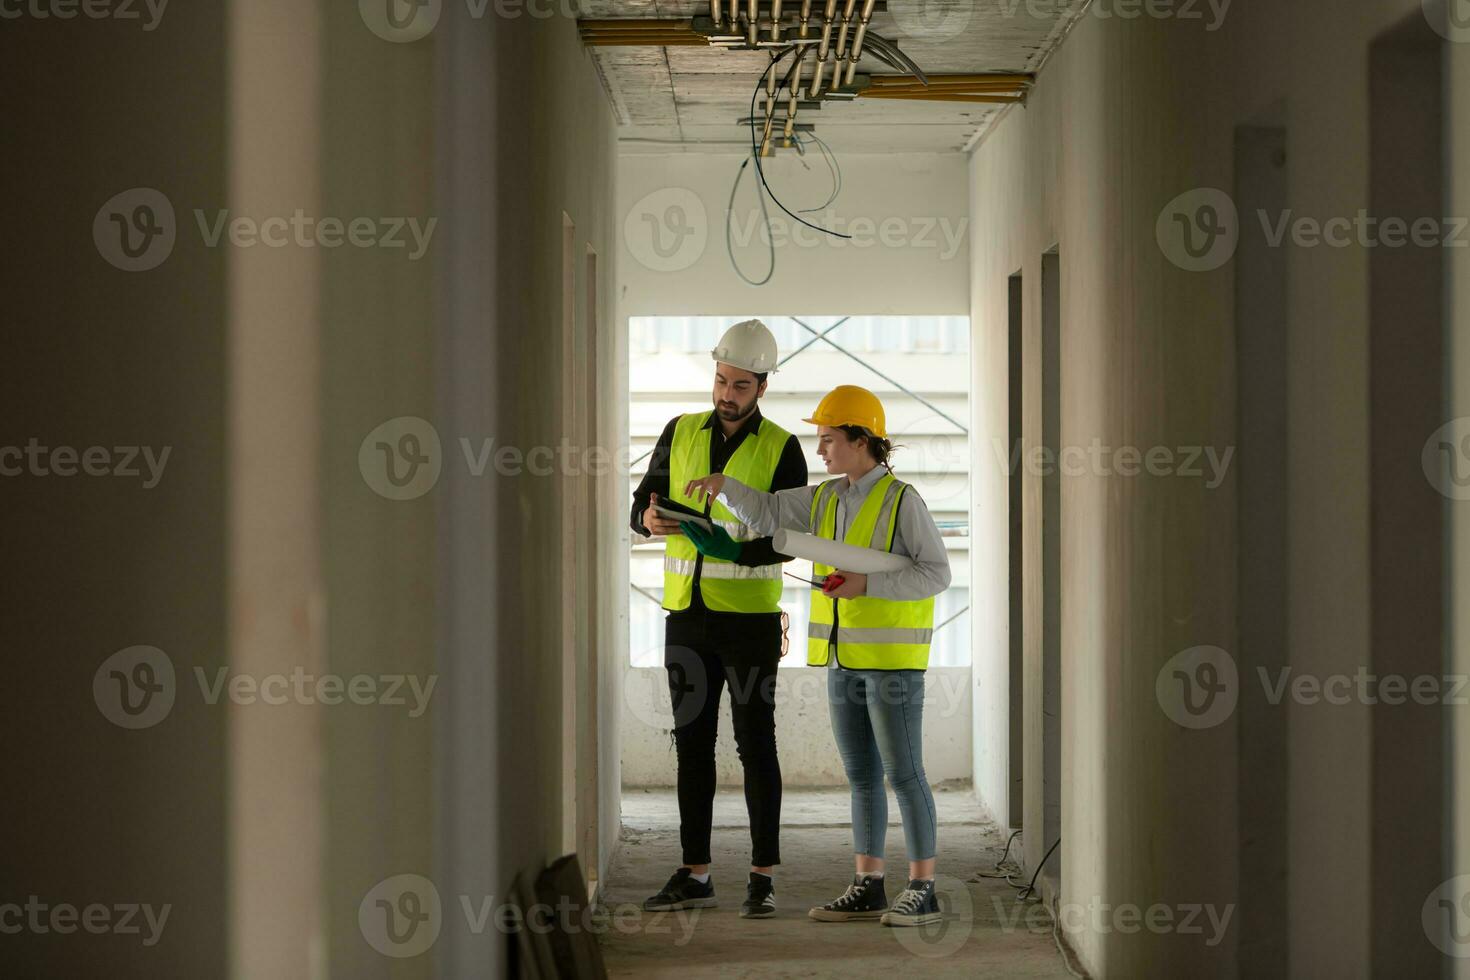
[765, 216]
[755, 148]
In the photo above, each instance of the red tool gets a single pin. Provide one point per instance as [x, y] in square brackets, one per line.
[826, 584]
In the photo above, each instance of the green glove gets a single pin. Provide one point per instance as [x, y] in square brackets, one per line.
[715, 543]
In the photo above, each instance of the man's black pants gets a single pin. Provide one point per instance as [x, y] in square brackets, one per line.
[704, 653]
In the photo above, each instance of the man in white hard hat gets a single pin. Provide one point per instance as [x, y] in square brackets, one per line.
[722, 591]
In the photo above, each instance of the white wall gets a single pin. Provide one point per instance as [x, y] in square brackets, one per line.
[93, 566]
[1131, 375]
[264, 546]
[989, 487]
[470, 580]
[908, 214]
[565, 171]
[1457, 353]
[1128, 115]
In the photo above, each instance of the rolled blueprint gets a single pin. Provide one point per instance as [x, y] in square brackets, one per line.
[838, 554]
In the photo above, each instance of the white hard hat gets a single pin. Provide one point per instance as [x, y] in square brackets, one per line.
[748, 345]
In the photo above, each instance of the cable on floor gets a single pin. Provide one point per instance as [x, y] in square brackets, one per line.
[1066, 951]
[1006, 870]
[1003, 868]
[1030, 889]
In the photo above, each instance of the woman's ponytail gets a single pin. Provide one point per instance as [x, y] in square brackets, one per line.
[879, 447]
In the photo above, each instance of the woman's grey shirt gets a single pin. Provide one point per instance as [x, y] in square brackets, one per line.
[916, 537]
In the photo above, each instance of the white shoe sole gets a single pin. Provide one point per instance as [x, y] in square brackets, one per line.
[826, 915]
[691, 903]
[893, 919]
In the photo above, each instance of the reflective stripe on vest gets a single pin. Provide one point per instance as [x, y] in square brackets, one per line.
[875, 634]
[870, 633]
[719, 569]
[739, 531]
[724, 585]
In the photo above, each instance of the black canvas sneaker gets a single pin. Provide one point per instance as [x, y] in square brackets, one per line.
[683, 892]
[917, 905]
[760, 897]
[864, 899]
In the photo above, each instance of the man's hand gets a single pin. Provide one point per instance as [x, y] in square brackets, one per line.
[705, 488]
[854, 584]
[716, 543]
[655, 524]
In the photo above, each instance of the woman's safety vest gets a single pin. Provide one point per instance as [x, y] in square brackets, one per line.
[724, 585]
[870, 633]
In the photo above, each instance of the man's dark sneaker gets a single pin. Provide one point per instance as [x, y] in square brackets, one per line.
[915, 906]
[760, 897]
[683, 892]
[864, 899]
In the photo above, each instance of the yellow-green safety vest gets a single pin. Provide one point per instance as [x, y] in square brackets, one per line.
[724, 585]
[870, 633]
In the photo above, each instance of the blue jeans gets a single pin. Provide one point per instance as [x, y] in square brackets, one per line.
[877, 720]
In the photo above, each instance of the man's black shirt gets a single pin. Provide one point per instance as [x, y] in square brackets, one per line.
[791, 471]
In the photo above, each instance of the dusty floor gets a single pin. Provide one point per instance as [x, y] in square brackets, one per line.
[986, 932]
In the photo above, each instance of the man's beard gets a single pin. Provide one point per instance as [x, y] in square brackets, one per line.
[735, 414]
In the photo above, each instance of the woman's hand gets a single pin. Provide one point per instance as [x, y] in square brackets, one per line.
[853, 585]
[716, 542]
[705, 487]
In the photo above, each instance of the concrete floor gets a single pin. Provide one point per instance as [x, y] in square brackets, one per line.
[986, 932]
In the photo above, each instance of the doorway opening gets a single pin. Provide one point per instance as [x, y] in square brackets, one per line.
[1051, 567]
[919, 366]
[1406, 293]
[1016, 652]
[1261, 357]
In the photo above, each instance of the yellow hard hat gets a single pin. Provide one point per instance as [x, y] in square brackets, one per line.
[851, 405]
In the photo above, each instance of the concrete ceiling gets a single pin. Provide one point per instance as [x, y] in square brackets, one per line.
[689, 98]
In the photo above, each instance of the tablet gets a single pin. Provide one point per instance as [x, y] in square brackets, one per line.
[669, 514]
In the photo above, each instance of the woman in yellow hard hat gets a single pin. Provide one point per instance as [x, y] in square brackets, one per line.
[872, 632]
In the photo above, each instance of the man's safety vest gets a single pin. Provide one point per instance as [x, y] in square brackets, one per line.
[724, 585]
[871, 633]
